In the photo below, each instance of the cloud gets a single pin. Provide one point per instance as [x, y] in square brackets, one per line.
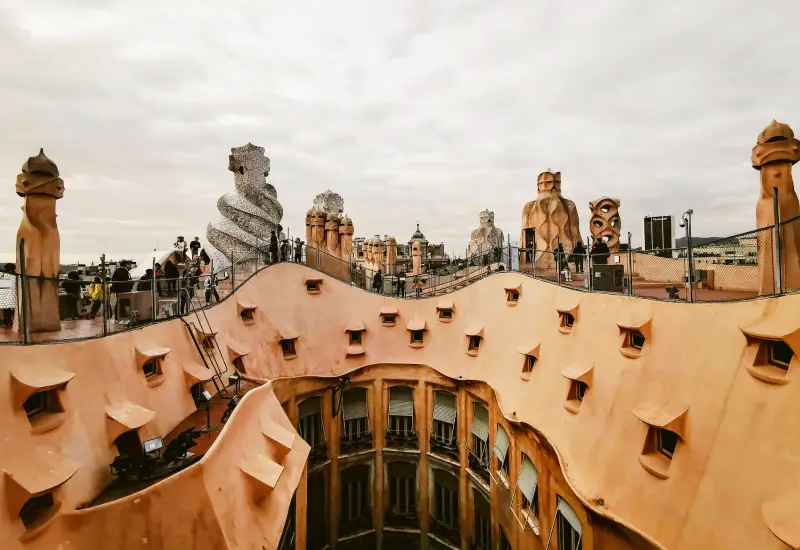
[412, 110]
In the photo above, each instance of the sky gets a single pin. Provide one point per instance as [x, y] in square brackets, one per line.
[412, 110]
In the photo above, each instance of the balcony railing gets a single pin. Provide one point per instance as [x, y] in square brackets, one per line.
[355, 443]
[446, 532]
[480, 466]
[354, 526]
[318, 454]
[402, 440]
[406, 520]
[445, 448]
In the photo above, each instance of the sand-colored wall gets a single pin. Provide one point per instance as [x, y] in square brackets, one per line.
[695, 354]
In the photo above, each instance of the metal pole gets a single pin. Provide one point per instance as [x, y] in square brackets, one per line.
[777, 239]
[233, 273]
[590, 287]
[26, 306]
[533, 258]
[687, 224]
[630, 266]
[105, 293]
[557, 257]
[153, 301]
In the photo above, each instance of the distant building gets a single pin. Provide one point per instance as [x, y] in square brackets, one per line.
[659, 234]
[433, 255]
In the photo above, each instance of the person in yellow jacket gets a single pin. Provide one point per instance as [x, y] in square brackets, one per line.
[96, 294]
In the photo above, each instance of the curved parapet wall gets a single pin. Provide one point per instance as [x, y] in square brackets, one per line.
[698, 371]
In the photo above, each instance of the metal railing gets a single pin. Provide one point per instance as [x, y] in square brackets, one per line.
[103, 301]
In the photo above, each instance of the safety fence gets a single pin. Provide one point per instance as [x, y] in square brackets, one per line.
[746, 266]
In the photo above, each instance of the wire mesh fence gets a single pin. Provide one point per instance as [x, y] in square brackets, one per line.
[120, 297]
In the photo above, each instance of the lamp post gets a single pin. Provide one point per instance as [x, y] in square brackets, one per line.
[686, 223]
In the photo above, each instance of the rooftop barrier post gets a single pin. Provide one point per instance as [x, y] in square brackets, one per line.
[24, 296]
[777, 240]
[557, 258]
[104, 297]
[153, 290]
[630, 266]
[590, 287]
[233, 273]
[687, 224]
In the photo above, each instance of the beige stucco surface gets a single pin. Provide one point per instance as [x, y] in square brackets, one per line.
[739, 446]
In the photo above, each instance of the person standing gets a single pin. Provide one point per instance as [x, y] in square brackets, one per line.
[8, 294]
[194, 246]
[577, 256]
[417, 284]
[96, 294]
[180, 250]
[273, 247]
[210, 285]
[72, 287]
[284, 250]
[172, 275]
[377, 282]
[120, 283]
[401, 285]
[298, 250]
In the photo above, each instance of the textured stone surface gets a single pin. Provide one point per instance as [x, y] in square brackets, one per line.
[329, 202]
[247, 215]
[486, 236]
[605, 222]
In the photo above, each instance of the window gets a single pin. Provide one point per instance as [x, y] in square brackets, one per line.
[37, 509]
[444, 418]
[246, 314]
[388, 320]
[512, 296]
[480, 436]
[356, 503]
[667, 441]
[355, 417]
[313, 285]
[528, 483]
[474, 343]
[238, 364]
[780, 354]
[150, 368]
[129, 444]
[569, 527]
[568, 319]
[402, 489]
[288, 348]
[500, 450]
[355, 337]
[581, 388]
[416, 336]
[636, 339]
[207, 342]
[445, 498]
[401, 411]
[445, 313]
[309, 423]
[633, 341]
[483, 525]
[36, 404]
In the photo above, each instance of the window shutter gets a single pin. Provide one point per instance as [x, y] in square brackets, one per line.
[480, 422]
[308, 407]
[500, 443]
[354, 404]
[444, 408]
[401, 401]
[569, 514]
[528, 478]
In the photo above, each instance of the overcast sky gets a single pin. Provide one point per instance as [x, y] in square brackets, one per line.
[411, 110]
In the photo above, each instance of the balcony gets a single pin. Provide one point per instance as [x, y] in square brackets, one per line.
[349, 528]
[351, 444]
[318, 454]
[402, 440]
[445, 532]
[480, 466]
[443, 448]
[407, 520]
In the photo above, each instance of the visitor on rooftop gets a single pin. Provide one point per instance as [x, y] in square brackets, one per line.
[577, 256]
[72, 287]
[120, 283]
[210, 285]
[189, 283]
[377, 282]
[194, 246]
[298, 250]
[172, 275]
[284, 250]
[96, 294]
[145, 283]
[159, 271]
[418, 284]
[600, 252]
[401, 285]
[559, 257]
[8, 294]
[180, 250]
[273, 247]
[204, 257]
